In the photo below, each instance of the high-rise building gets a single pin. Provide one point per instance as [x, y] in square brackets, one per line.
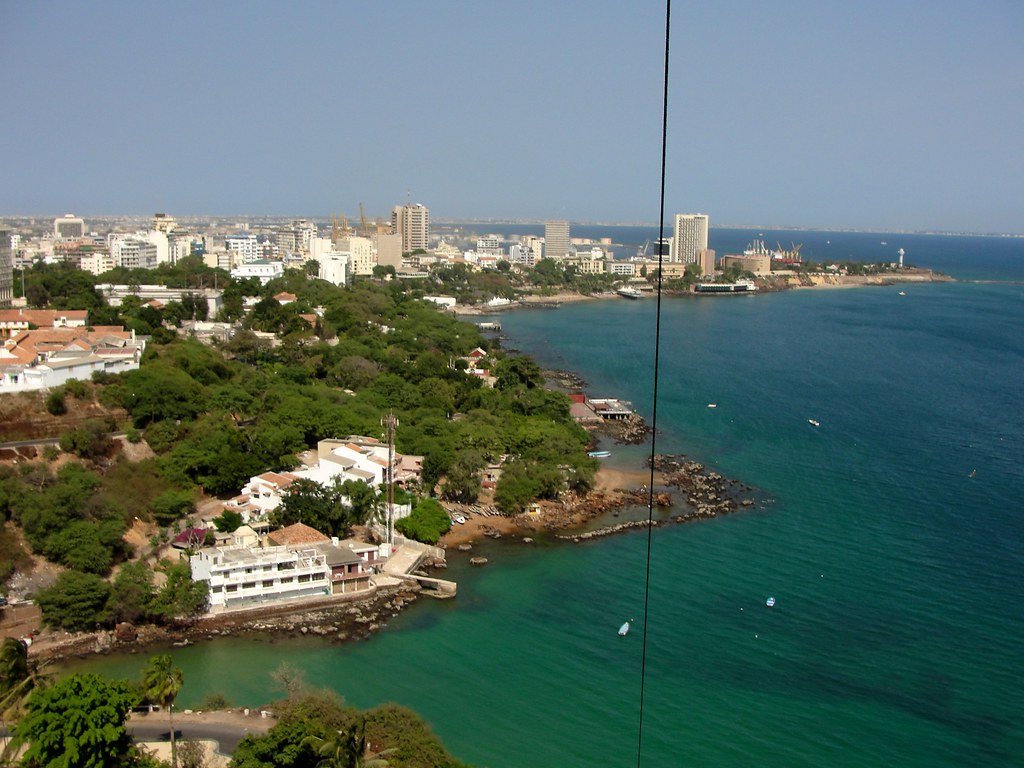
[6, 269]
[68, 227]
[245, 248]
[556, 239]
[691, 237]
[132, 251]
[412, 222]
[164, 223]
[706, 259]
[388, 248]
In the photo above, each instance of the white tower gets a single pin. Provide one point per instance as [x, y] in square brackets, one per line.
[900, 252]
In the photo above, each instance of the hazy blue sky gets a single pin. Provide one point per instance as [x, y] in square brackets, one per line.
[892, 114]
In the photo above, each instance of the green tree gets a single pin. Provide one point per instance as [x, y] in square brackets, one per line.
[427, 523]
[76, 601]
[331, 509]
[228, 521]
[89, 441]
[78, 722]
[180, 597]
[161, 682]
[55, 404]
[131, 593]
[171, 506]
[13, 665]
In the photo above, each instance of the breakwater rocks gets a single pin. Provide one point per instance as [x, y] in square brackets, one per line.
[631, 430]
[565, 379]
[606, 531]
[708, 493]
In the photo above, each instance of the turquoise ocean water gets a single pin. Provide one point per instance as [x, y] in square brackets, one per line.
[896, 638]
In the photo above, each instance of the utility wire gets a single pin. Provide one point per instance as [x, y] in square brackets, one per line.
[654, 415]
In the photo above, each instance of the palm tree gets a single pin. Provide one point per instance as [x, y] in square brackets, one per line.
[348, 750]
[161, 682]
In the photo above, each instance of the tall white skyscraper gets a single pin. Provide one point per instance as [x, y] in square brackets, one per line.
[412, 222]
[556, 239]
[691, 237]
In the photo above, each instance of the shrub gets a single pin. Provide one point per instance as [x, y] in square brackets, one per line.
[214, 701]
[55, 404]
[79, 390]
[171, 506]
[427, 523]
[75, 602]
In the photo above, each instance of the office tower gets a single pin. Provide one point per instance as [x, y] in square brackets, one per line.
[691, 237]
[68, 227]
[412, 222]
[6, 269]
[164, 223]
[388, 248]
[556, 239]
[706, 259]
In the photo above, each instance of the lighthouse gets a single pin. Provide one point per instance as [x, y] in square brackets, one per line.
[900, 252]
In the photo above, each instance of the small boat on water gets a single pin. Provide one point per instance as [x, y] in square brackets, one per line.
[629, 293]
[712, 405]
[599, 454]
[903, 293]
[770, 602]
[624, 629]
[813, 423]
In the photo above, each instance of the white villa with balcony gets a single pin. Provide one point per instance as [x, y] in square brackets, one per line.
[306, 564]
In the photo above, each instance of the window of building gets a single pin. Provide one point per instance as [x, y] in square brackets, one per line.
[303, 578]
[288, 580]
[249, 585]
[268, 583]
[231, 588]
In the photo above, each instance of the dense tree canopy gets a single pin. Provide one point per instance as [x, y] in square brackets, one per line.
[78, 722]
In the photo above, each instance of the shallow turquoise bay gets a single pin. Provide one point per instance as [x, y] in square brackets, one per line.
[896, 637]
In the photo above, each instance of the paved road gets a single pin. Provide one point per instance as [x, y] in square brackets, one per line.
[154, 728]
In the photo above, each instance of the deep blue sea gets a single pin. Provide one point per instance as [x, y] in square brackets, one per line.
[891, 536]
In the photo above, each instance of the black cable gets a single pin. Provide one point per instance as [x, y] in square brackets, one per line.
[654, 414]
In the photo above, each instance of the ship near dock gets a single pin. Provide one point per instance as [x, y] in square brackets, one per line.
[740, 286]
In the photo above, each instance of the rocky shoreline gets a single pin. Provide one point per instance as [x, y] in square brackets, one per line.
[333, 619]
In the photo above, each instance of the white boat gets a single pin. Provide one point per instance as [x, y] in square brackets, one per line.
[813, 423]
[599, 454]
[624, 629]
[458, 519]
[712, 405]
[770, 602]
[903, 293]
[629, 293]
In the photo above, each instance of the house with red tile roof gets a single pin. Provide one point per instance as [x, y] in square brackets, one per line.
[49, 357]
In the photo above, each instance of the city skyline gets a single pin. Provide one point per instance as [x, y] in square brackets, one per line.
[795, 115]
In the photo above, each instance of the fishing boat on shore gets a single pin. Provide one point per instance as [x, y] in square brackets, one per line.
[599, 454]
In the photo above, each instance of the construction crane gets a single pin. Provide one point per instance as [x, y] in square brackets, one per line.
[362, 221]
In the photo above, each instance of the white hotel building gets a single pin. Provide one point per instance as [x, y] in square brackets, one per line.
[238, 574]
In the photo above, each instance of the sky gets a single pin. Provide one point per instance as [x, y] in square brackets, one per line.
[904, 114]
